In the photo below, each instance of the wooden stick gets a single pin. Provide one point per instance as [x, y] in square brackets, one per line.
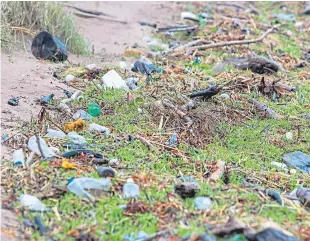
[263, 107]
[230, 43]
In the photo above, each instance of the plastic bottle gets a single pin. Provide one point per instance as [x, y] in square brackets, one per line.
[75, 138]
[130, 189]
[55, 134]
[94, 109]
[33, 146]
[99, 128]
[19, 157]
[203, 203]
[32, 202]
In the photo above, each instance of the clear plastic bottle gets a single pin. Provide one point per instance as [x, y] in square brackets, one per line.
[19, 157]
[130, 189]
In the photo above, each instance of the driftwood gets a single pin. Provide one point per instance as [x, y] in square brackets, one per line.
[178, 28]
[182, 114]
[262, 107]
[93, 12]
[230, 43]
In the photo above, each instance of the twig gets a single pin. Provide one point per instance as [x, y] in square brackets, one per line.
[145, 141]
[39, 145]
[230, 43]
[87, 15]
[97, 13]
[263, 107]
[178, 28]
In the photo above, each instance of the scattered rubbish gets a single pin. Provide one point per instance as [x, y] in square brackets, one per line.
[303, 194]
[299, 160]
[307, 9]
[75, 138]
[196, 60]
[146, 23]
[187, 189]
[125, 65]
[77, 125]
[48, 47]
[186, 179]
[68, 165]
[173, 139]
[32, 203]
[146, 68]
[289, 136]
[19, 157]
[82, 151]
[90, 66]
[28, 223]
[78, 186]
[113, 80]
[55, 134]
[82, 114]
[218, 173]
[40, 225]
[270, 234]
[94, 109]
[232, 226]
[301, 65]
[262, 107]
[75, 94]
[203, 203]
[187, 28]
[137, 236]
[285, 17]
[199, 237]
[207, 93]
[275, 195]
[4, 138]
[47, 99]
[113, 163]
[130, 189]
[39, 146]
[282, 166]
[189, 16]
[132, 83]
[106, 172]
[98, 128]
[13, 101]
[68, 93]
[63, 107]
[306, 116]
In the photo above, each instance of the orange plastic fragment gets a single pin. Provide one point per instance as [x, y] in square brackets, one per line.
[77, 125]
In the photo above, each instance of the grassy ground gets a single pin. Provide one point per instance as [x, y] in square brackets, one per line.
[247, 141]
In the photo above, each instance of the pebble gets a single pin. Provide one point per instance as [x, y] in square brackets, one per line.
[293, 171]
[106, 172]
[69, 78]
[289, 136]
[203, 203]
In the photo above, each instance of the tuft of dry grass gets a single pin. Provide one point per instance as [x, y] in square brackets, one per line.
[25, 19]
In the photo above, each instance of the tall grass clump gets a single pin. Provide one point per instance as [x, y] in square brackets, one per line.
[29, 18]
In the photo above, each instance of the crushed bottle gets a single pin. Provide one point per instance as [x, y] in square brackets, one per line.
[130, 189]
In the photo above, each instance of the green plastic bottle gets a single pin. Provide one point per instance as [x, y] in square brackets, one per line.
[94, 109]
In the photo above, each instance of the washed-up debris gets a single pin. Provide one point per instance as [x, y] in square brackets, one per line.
[19, 157]
[299, 160]
[146, 68]
[199, 237]
[137, 236]
[79, 186]
[187, 28]
[94, 109]
[106, 172]
[130, 189]
[186, 179]
[270, 234]
[39, 146]
[78, 152]
[125, 65]
[281, 166]
[173, 139]
[68, 165]
[69, 78]
[132, 83]
[13, 101]
[146, 23]
[40, 225]
[77, 125]
[232, 226]
[218, 173]
[55, 134]
[203, 203]
[75, 138]
[307, 8]
[28, 223]
[47, 46]
[303, 194]
[187, 189]
[91, 66]
[82, 114]
[47, 99]
[98, 128]
[32, 203]
[189, 16]
[4, 138]
[262, 107]
[275, 195]
[285, 17]
[113, 163]
[113, 80]
[207, 93]
[75, 94]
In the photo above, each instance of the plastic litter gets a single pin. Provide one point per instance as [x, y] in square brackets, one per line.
[285, 17]
[187, 189]
[47, 46]
[203, 203]
[33, 146]
[202, 237]
[90, 66]
[80, 151]
[270, 234]
[4, 138]
[189, 16]
[55, 134]
[130, 189]
[125, 65]
[94, 109]
[19, 157]
[13, 101]
[299, 160]
[113, 163]
[69, 78]
[281, 166]
[186, 179]
[106, 172]
[32, 203]
[237, 237]
[78, 186]
[132, 83]
[98, 128]
[113, 80]
[275, 195]
[82, 114]
[146, 23]
[146, 68]
[77, 139]
[68, 165]
[137, 236]
[68, 93]
[40, 225]
[47, 99]
[173, 139]
[303, 194]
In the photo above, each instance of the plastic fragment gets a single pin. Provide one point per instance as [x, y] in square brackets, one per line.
[270, 234]
[68, 165]
[19, 157]
[94, 109]
[32, 203]
[132, 83]
[113, 80]
[137, 236]
[82, 114]
[69, 78]
[186, 179]
[130, 189]
[75, 138]
[33, 146]
[275, 195]
[4, 138]
[187, 189]
[98, 128]
[106, 172]
[13, 101]
[173, 139]
[203, 203]
[285, 17]
[55, 134]
[77, 125]
[299, 160]
[40, 225]
[47, 99]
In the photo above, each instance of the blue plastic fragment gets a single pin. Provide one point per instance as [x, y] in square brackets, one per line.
[299, 160]
[47, 99]
[186, 179]
[285, 17]
[70, 180]
[62, 47]
[173, 139]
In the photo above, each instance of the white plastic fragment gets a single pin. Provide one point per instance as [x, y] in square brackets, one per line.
[188, 15]
[130, 189]
[19, 157]
[102, 129]
[113, 80]
[90, 66]
[33, 146]
[203, 203]
[75, 94]
[75, 138]
[289, 136]
[69, 77]
[55, 134]
[32, 203]
[282, 166]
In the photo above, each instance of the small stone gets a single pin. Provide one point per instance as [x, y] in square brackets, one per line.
[106, 172]
[69, 78]
[140, 110]
[293, 171]
[289, 136]
[203, 203]
[187, 189]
